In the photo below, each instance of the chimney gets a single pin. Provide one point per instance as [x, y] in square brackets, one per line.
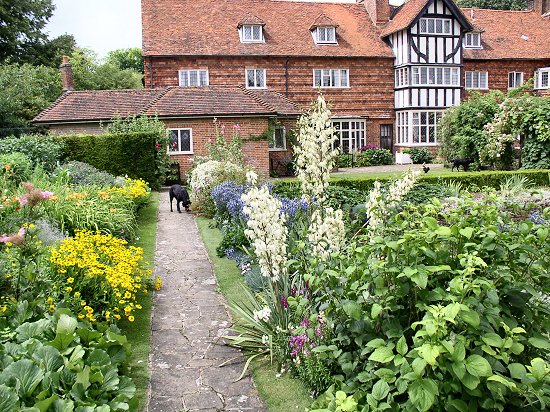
[540, 6]
[379, 11]
[66, 74]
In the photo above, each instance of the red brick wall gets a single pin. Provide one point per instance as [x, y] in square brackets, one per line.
[498, 70]
[371, 79]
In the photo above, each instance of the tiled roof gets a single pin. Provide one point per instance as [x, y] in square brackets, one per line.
[95, 105]
[323, 20]
[209, 28]
[408, 13]
[510, 34]
[251, 19]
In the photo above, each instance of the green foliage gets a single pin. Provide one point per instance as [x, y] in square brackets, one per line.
[126, 59]
[15, 167]
[133, 154]
[374, 156]
[25, 91]
[420, 155]
[50, 52]
[83, 174]
[22, 24]
[494, 4]
[46, 151]
[90, 74]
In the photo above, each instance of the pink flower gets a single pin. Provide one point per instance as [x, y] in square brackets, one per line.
[46, 195]
[157, 146]
[17, 238]
[23, 200]
[236, 127]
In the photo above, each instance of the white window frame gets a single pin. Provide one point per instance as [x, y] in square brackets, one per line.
[476, 80]
[410, 124]
[514, 78]
[435, 76]
[256, 77]
[542, 78]
[472, 41]
[197, 72]
[430, 25]
[251, 39]
[402, 77]
[272, 144]
[356, 137]
[334, 77]
[179, 151]
[321, 35]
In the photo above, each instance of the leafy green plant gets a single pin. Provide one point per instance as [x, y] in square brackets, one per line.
[15, 167]
[374, 156]
[45, 151]
[420, 155]
[514, 185]
[83, 174]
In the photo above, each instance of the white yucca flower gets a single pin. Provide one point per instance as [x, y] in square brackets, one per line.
[266, 230]
[326, 232]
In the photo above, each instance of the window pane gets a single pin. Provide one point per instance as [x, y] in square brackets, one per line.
[317, 77]
[454, 79]
[447, 27]
[260, 78]
[326, 78]
[345, 78]
[185, 138]
[247, 32]
[335, 78]
[431, 75]
[423, 26]
[256, 32]
[193, 78]
[430, 25]
[423, 118]
[184, 78]
[330, 34]
[174, 147]
[439, 26]
[203, 78]
[250, 78]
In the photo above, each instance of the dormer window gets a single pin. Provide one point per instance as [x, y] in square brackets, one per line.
[325, 35]
[472, 40]
[251, 33]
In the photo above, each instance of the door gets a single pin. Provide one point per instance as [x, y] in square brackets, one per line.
[386, 136]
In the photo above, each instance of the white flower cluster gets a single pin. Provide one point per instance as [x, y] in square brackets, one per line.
[377, 205]
[267, 231]
[262, 314]
[206, 174]
[326, 232]
[498, 134]
[315, 155]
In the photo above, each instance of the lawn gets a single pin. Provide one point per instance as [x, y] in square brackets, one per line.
[139, 332]
[281, 394]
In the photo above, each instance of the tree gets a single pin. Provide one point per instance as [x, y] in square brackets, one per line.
[21, 24]
[25, 91]
[91, 74]
[126, 59]
[494, 4]
[50, 52]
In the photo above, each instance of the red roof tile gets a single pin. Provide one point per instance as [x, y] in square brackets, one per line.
[206, 27]
[323, 20]
[251, 19]
[510, 34]
[98, 105]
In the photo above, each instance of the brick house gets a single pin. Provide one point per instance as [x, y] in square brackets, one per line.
[388, 72]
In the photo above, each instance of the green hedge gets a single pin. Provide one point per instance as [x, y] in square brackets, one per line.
[131, 154]
[470, 180]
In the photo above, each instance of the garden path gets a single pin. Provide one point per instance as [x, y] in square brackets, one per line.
[189, 317]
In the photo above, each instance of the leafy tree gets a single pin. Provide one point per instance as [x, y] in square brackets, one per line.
[50, 53]
[494, 4]
[25, 91]
[126, 59]
[21, 24]
[91, 74]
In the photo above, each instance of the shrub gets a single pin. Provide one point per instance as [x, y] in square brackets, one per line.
[83, 174]
[99, 277]
[345, 160]
[420, 155]
[46, 151]
[374, 156]
[15, 167]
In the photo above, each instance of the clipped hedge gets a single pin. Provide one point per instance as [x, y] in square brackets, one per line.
[131, 154]
[470, 180]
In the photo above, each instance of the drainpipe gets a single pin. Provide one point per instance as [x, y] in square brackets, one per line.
[286, 78]
[150, 66]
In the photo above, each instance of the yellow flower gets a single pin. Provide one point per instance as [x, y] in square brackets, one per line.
[69, 289]
[77, 295]
[107, 315]
[138, 306]
[158, 283]
[117, 317]
[127, 295]
[51, 308]
[70, 280]
[81, 316]
[82, 303]
[131, 318]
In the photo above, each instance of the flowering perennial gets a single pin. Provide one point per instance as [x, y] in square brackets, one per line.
[266, 230]
[326, 232]
[101, 276]
[262, 314]
[315, 155]
[33, 195]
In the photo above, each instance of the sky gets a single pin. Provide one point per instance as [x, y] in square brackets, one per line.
[100, 25]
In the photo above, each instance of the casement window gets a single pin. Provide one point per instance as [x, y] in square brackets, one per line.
[435, 26]
[350, 134]
[279, 139]
[402, 77]
[417, 127]
[255, 79]
[181, 141]
[472, 41]
[193, 78]
[515, 79]
[542, 78]
[325, 35]
[338, 78]
[251, 33]
[429, 76]
[476, 80]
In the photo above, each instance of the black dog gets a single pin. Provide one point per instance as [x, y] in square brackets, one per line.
[465, 163]
[181, 195]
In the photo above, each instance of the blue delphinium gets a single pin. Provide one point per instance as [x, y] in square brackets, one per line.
[536, 218]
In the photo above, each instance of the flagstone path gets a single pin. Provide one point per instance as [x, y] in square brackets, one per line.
[189, 318]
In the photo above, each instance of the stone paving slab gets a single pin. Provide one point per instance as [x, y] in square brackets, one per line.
[189, 318]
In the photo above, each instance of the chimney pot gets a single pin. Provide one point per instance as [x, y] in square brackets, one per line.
[67, 78]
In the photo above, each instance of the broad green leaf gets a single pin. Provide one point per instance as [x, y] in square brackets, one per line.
[517, 370]
[386, 374]
[431, 223]
[83, 377]
[8, 399]
[380, 390]
[467, 232]
[32, 329]
[470, 317]
[63, 405]
[66, 325]
[459, 369]
[364, 376]
[27, 374]
[99, 358]
[352, 309]
[505, 382]
[418, 365]
[102, 408]
[49, 357]
[537, 368]
[382, 355]
[62, 341]
[45, 404]
[126, 389]
[459, 353]
[402, 347]
[376, 343]
[422, 393]
[540, 343]
[478, 366]
[470, 381]
[451, 311]
[457, 405]
[444, 231]
[375, 310]
[111, 379]
[492, 339]
[420, 279]
[429, 353]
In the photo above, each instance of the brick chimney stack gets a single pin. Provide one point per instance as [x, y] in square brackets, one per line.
[540, 6]
[379, 11]
[67, 74]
